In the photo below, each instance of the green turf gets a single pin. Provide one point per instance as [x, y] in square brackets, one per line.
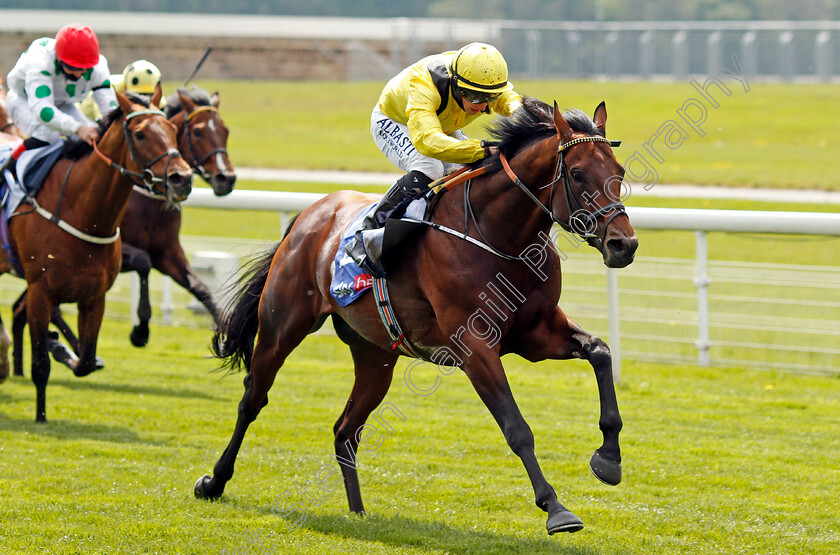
[715, 460]
[774, 135]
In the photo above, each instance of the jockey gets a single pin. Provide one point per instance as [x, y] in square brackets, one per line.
[418, 119]
[138, 77]
[47, 81]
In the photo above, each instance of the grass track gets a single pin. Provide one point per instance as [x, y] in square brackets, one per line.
[716, 461]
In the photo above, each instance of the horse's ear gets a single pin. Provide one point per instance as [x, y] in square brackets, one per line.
[562, 125]
[124, 102]
[600, 117]
[186, 101]
[157, 95]
[214, 100]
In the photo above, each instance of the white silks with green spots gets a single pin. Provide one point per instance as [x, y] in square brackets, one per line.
[42, 99]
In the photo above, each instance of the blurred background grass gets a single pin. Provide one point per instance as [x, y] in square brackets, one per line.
[775, 135]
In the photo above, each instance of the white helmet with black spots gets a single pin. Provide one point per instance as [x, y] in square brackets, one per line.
[140, 77]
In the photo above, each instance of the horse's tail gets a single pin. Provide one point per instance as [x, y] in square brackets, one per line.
[233, 341]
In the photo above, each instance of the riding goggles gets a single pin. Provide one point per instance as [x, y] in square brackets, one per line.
[478, 97]
[69, 68]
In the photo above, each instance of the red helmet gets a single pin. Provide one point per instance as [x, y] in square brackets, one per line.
[76, 45]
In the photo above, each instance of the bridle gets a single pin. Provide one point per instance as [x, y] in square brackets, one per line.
[147, 179]
[581, 221]
[198, 162]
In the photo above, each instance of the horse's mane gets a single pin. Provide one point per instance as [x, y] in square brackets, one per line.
[173, 102]
[75, 148]
[534, 121]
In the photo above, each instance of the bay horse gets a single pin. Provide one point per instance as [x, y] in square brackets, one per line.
[86, 194]
[557, 165]
[151, 225]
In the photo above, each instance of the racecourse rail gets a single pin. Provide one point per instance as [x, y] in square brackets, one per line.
[700, 222]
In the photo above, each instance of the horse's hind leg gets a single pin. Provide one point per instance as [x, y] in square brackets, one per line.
[174, 264]
[374, 369]
[282, 327]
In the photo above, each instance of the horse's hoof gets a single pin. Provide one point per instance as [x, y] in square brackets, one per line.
[564, 521]
[200, 489]
[605, 470]
[63, 354]
[139, 335]
[82, 372]
[99, 364]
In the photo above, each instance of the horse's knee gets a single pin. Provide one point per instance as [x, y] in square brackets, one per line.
[594, 349]
[138, 261]
[598, 352]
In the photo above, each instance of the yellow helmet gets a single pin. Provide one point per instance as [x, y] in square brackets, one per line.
[480, 67]
[140, 77]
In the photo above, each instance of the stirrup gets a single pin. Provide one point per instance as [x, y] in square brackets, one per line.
[355, 250]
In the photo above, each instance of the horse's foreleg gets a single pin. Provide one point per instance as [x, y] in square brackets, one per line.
[282, 331]
[90, 321]
[374, 369]
[138, 260]
[38, 307]
[175, 265]
[488, 378]
[57, 319]
[561, 338]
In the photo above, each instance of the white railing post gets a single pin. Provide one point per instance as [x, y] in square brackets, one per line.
[701, 280]
[133, 297]
[612, 319]
[167, 307]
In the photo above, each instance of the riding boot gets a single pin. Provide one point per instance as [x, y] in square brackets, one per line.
[390, 200]
[11, 162]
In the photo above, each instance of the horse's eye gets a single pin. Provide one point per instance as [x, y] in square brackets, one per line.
[577, 176]
[197, 133]
[140, 136]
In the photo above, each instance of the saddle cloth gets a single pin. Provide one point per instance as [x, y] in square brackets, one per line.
[32, 167]
[349, 280]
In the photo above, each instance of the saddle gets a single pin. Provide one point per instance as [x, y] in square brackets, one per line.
[409, 218]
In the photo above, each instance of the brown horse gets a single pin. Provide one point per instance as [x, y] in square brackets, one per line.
[86, 195]
[557, 165]
[151, 224]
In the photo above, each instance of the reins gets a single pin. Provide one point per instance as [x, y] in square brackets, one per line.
[577, 214]
[147, 179]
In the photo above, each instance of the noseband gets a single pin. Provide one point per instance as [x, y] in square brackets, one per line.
[198, 162]
[147, 179]
[578, 216]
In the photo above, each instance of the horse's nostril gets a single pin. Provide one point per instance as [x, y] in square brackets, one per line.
[616, 246]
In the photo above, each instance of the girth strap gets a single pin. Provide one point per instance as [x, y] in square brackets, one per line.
[383, 305]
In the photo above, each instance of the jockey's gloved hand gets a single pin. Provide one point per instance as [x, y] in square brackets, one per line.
[490, 148]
